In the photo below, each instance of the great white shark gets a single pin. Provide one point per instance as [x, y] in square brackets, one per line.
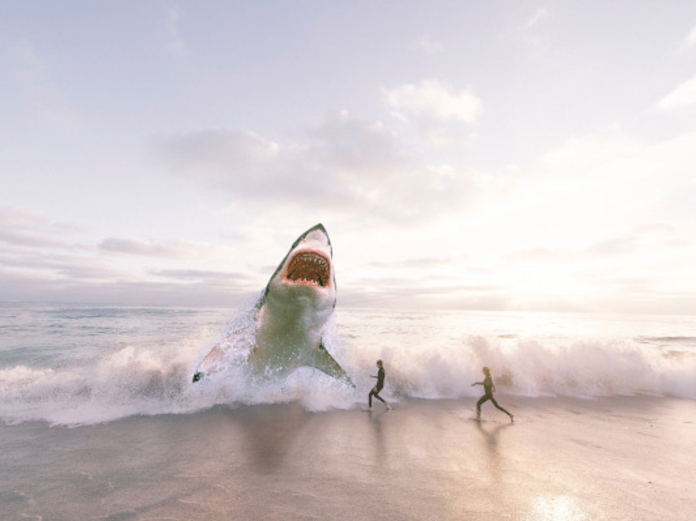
[291, 314]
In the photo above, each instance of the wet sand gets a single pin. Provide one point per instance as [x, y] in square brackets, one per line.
[563, 459]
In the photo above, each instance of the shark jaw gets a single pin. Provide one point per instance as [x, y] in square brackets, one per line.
[304, 281]
[308, 267]
[291, 314]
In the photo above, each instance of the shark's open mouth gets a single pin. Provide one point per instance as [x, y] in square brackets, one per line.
[309, 267]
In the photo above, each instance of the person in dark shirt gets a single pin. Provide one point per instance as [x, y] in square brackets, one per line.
[488, 389]
[377, 388]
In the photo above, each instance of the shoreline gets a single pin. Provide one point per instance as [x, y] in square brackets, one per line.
[615, 458]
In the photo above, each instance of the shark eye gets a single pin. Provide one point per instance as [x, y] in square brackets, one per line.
[309, 267]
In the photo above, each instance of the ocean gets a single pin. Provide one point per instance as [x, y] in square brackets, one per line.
[101, 419]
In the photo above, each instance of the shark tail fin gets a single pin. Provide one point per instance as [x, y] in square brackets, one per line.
[326, 363]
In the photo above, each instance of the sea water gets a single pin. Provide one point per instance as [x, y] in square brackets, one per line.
[86, 364]
[100, 418]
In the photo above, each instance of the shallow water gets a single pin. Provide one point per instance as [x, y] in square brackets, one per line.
[102, 421]
[564, 459]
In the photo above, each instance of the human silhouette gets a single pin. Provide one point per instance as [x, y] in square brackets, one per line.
[377, 388]
[488, 389]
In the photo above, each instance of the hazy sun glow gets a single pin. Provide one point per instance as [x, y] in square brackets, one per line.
[514, 177]
[530, 283]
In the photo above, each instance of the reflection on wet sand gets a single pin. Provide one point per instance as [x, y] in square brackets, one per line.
[556, 508]
[380, 448]
[490, 436]
[271, 431]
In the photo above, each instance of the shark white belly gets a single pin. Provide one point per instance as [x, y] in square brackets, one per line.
[290, 316]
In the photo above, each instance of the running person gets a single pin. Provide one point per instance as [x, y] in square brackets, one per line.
[377, 388]
[488, 389]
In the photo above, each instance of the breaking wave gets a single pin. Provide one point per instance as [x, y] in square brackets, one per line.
[132, 379]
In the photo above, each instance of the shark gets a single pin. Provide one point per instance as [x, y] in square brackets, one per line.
[290, 316]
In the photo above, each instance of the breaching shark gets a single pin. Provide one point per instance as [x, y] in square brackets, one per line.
[290, 315]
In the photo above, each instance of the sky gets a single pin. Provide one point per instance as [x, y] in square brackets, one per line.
[502, 155]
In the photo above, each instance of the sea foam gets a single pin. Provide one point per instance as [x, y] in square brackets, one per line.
[429, 356]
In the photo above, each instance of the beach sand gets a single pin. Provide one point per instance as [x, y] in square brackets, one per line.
[563, 459]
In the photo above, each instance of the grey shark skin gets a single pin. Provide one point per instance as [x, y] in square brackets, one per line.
[291, 314]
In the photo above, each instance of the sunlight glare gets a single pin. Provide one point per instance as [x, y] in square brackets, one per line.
[531, 283]
[560, 508]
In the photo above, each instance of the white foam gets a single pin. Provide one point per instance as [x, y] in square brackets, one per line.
[136, 380]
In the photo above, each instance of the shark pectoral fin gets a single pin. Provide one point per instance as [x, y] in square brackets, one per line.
[326, 364]
[209, 364]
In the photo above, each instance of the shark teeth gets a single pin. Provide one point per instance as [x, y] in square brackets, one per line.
[309, 268]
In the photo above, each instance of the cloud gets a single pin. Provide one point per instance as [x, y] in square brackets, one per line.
[34, 253]
[14, 217]
[146, 248]
[28, 228]
[612, 181]
[683, 97]
[34, 268]
[534, 32]
[30, 70]
[416, 263]
[36, 263]
[690, 40]
[646, 238]
[427, 44]
[537, 254]
[346, 166]
[39, 287]
[404, 294]
[607, 203]
[51, 266]
[537, 227]
[244, 163]
[188, 275]
[359, 147]
[432, 100]
[39, 92]
[539, 15]
[176, 44]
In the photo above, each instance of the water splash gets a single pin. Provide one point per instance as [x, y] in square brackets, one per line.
[147, 371]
